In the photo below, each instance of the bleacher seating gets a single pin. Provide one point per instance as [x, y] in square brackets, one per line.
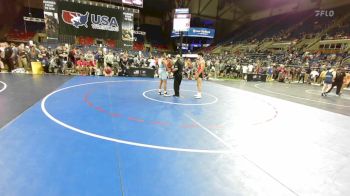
[283, 24]
[139, 46]
[86, 40]
[312, 25]
[288, 26]
[16, 36]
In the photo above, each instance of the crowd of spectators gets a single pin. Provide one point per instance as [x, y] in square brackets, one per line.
[288, 66]
[65, 59]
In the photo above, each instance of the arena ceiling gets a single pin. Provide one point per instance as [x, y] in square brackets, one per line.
[215, 9]
[226, 12]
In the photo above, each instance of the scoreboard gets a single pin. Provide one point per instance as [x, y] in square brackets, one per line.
[182, 20]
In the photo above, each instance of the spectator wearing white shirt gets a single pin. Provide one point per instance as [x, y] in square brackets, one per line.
[109, 59]
[152, 63]
[245, 71]
[314, 75]
[250, 68]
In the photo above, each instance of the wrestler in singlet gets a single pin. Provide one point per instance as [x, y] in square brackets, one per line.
[199, 75]
[163, 76]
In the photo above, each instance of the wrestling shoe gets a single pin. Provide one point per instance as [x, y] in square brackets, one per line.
[166, 94]
[198, 96]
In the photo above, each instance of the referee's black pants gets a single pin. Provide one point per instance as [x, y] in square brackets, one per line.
[10, 64]
[177, 83]
[338, 85]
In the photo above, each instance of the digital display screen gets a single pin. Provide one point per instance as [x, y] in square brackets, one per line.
[182, 22]
[182, 11]
[196, 32]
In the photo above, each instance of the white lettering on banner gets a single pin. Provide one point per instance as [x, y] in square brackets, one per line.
[50, 2]
[105, 27]
[102, 22]
[128, 16]
[32, 19]
[201, 31]
[196, 32]
[139, 33]
[49, 5]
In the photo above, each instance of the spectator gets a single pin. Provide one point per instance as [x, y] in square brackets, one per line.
[314, 75]
[302, 75]
[108, 70]
[23, 57]
[245, 71]
[43, 57]
[8, 59]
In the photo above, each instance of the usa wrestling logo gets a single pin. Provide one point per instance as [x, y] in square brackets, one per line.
[76, 19]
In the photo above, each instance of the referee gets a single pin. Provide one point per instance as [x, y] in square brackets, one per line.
[178, 68]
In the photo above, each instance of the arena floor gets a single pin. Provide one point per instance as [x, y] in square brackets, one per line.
[309, 95]
[116, 136]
